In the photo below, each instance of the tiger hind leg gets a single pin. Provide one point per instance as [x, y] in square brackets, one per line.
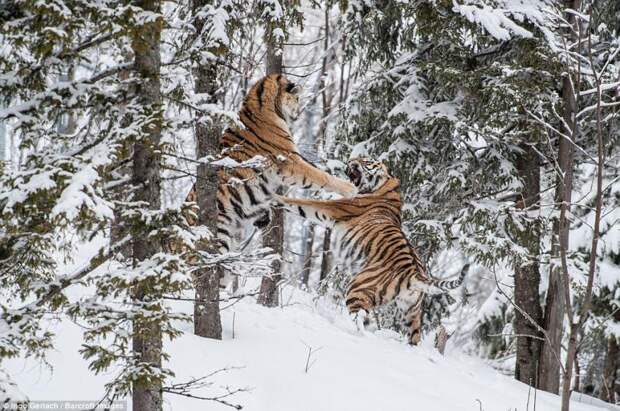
[229, 229]
[360, 305]
[232, 235]
[411, 304]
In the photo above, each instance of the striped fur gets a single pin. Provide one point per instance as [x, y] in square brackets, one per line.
[370, 242]
[244, 194]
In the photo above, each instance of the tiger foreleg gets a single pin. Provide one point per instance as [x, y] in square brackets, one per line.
[361, 319]
[319, 212]
[307, 176]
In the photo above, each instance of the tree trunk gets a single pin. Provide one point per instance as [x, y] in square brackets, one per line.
[274, 239]
[549, 375]
[326, 100]
[326, 265]
[527, 276]
[66, 122]
[608, 384]
[147, 335]
[207, 321]
[305, 271]
[555, 302]
[4, 146]
[577, 379]
[584, 311]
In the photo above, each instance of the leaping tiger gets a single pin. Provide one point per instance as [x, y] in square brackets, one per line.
[370, 242]
[245, 194]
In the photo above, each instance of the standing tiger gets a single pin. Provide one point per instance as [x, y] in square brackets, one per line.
[370, 242]
[245, 194]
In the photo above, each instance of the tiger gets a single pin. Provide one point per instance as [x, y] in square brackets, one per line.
[371, 244]
[245, 193]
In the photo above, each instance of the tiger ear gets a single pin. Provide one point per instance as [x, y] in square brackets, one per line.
[293, 88]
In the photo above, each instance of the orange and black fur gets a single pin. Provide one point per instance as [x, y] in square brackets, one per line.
[370, 242]
[245, 194]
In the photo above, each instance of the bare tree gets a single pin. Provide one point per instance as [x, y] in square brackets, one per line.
[577, 324]
[319, 142]
[549, 378]
[326, 100]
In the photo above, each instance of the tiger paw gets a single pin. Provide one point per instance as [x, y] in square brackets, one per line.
[361, 320]
[370, 323]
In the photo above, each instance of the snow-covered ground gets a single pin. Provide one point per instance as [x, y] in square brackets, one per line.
[349, 370]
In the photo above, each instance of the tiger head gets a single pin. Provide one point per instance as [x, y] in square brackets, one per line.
[366, 174]
[275, 93]
[289, 99]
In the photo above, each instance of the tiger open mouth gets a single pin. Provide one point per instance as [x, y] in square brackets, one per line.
[354, 174]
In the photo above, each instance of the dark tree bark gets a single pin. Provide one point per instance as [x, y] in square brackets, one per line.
[274, 237]
[326, 100]
[305, 271]
[207, 321]
[610, 372]
[549, 375]
[326, 264]
[527, 275]
[555, 305]
[147, 335]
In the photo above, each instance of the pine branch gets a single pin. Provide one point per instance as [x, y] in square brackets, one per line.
[94, 263]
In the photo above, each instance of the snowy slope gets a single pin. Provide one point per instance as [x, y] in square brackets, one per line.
[351, 371]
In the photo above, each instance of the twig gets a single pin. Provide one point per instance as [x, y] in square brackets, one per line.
[311, 351]
[529, 389]
[199, 300]
[184, 389]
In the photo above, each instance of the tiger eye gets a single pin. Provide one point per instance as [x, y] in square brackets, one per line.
[290, 87]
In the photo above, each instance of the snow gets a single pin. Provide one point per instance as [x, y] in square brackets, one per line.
[503, 18]
[350, 370]
[79, 193]
[256, 162]
[493, 21]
